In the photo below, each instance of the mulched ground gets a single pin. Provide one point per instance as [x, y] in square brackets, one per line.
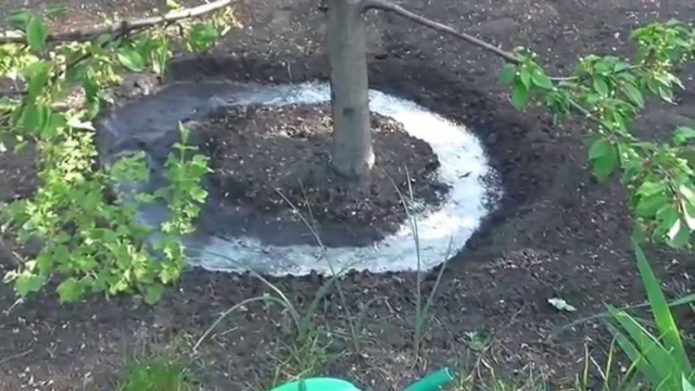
[275, 160]
[558, 234]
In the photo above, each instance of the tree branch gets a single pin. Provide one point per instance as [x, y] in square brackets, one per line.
[398, 10]
[121, 27]
[507, 56]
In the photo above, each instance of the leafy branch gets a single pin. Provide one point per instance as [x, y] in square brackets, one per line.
[91, 239]
[659, 177]
[34, 27]
[610, 92]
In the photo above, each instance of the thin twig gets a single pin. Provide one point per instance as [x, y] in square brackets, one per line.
[232, 309]
[396, 9]
[14, 356]
[124, 26]
[507, 56]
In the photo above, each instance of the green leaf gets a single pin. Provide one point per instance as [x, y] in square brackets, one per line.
[667, 216]
[36, 34]
[651, 188]
[666, 94]
[153, 293]
[647, 206]
[131, 59]
[525, 76]
[634, 94]
[201, 37]
[508, 74]
[689, 216]
[160, 56]
[603, 156]
[688, 193]
[541, 80]
[70, 290]
[687, 386]
[601, 86]
[600, 148]
[631, 169]
[678, 235]
[19, 19]
[173, 5]
[38, 73]
[27, 283]
[34, 118]
[520, 95]
[169, 273]
[620, 66]
[184, 132]
[683, 134]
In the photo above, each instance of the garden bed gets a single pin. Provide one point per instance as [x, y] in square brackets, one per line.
[558, 233]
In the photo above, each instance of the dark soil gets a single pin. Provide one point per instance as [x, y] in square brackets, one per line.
[557, 234]
[276, 161]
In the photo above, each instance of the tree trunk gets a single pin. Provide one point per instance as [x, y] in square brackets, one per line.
[353, 156]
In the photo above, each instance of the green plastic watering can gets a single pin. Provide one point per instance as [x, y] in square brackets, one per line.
[433, 382]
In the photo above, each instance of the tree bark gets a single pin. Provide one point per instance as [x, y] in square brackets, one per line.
[353, 155]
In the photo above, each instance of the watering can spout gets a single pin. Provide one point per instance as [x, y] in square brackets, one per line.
[436, 381]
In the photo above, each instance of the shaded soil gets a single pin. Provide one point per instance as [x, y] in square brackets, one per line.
[276, 161]
[557, 234]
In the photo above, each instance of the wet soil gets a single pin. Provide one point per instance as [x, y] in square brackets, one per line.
[275, 161]
[558, 233]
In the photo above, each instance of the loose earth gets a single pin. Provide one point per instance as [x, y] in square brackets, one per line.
[271, 170]
[558, 233]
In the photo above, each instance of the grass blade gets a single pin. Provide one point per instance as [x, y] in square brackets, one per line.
[687, 386]
[662, 314]
[649, 347]
[638, 360]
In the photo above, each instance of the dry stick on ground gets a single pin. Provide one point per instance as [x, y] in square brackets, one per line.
[124, 26]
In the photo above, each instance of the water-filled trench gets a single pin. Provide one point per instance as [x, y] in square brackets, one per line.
[150, 124]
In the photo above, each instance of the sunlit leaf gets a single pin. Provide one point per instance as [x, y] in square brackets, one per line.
[131, 59]
[36, 34]
[38, 74]
[70, 290]
[683, 134]
[153, 293]
[687, 386]
[201, 37]
[77, 123]
[541, 80]
[647, 206]
[173, 5]
[26, 283]
[666, 94]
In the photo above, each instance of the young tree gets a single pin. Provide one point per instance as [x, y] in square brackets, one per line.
[353, 155]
